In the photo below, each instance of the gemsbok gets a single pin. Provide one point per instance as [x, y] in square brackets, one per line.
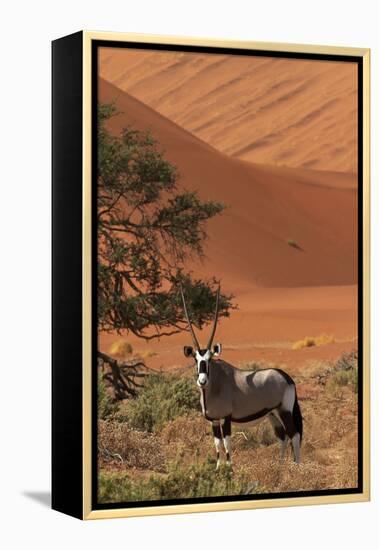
[229, 394]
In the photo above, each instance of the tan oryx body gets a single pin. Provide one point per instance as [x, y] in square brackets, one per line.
[228, 394]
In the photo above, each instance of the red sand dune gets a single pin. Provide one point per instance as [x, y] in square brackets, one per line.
[283, 293]
[266, 208]
[285, 112]
[268, 322]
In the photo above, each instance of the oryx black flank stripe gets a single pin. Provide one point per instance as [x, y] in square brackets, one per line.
[254, 416]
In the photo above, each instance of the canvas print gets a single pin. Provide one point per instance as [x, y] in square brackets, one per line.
[227, 276]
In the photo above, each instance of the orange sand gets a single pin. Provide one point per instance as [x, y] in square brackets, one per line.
[283, 293]
[285, 112]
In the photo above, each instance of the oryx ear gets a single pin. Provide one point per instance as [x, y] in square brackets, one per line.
[188, 351]
[217, 349]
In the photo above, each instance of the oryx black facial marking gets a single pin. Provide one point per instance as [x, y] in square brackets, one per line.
[203, 358]
[228, 394]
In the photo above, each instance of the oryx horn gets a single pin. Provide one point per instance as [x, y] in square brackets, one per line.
[196, 343]
[215, 319]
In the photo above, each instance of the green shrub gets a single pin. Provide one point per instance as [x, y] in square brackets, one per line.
[345, 372]
[106, 407]
[164, 397]
[195, 481]
[344, 378]
[347, 361]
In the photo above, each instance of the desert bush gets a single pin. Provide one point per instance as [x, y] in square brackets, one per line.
[310, 341]
[262, 435]
[293, 243]
[344, 372]
[347, 361]
[190, 428]
[163, 398]
[266, 434]
[343, 378]
[187, 438]
[195, 481]
[106, 407]
[118, 442]
[121, 349]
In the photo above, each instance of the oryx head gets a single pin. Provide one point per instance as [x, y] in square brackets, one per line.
[202, 356]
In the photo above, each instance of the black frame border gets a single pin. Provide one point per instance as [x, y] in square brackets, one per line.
[67, 257]
[95, 45]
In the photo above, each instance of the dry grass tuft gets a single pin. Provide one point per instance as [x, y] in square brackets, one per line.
[310, 341]
[147, 354]
[121, 446]
[121, 349]
[293, 244]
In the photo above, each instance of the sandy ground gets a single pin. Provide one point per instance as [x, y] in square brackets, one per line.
[265, 330]
[283, 293]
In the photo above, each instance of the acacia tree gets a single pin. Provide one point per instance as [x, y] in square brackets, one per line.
[147, 229]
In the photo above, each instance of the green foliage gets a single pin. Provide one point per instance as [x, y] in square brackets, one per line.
[164, 397]
[347, 361]
[195, 481]
[345, 372]
[147, 228]
[344, 378]
[106, 407]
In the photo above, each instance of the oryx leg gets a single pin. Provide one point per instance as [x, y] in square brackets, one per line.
[217, 439]
[226, 430]
[285, 413]
[280, 433]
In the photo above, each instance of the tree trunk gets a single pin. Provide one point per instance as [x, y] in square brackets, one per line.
[125, 379]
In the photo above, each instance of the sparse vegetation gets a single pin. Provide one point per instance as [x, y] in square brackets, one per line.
[197, 480]
[345, 372]
[171, 454]
[348, 361]
[293, 243]
[121, 445]
[310, 341]
[121, 349]
[106, 406]
[163, 398]
[344, 378]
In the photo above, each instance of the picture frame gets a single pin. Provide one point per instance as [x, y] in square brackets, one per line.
[76, 66]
